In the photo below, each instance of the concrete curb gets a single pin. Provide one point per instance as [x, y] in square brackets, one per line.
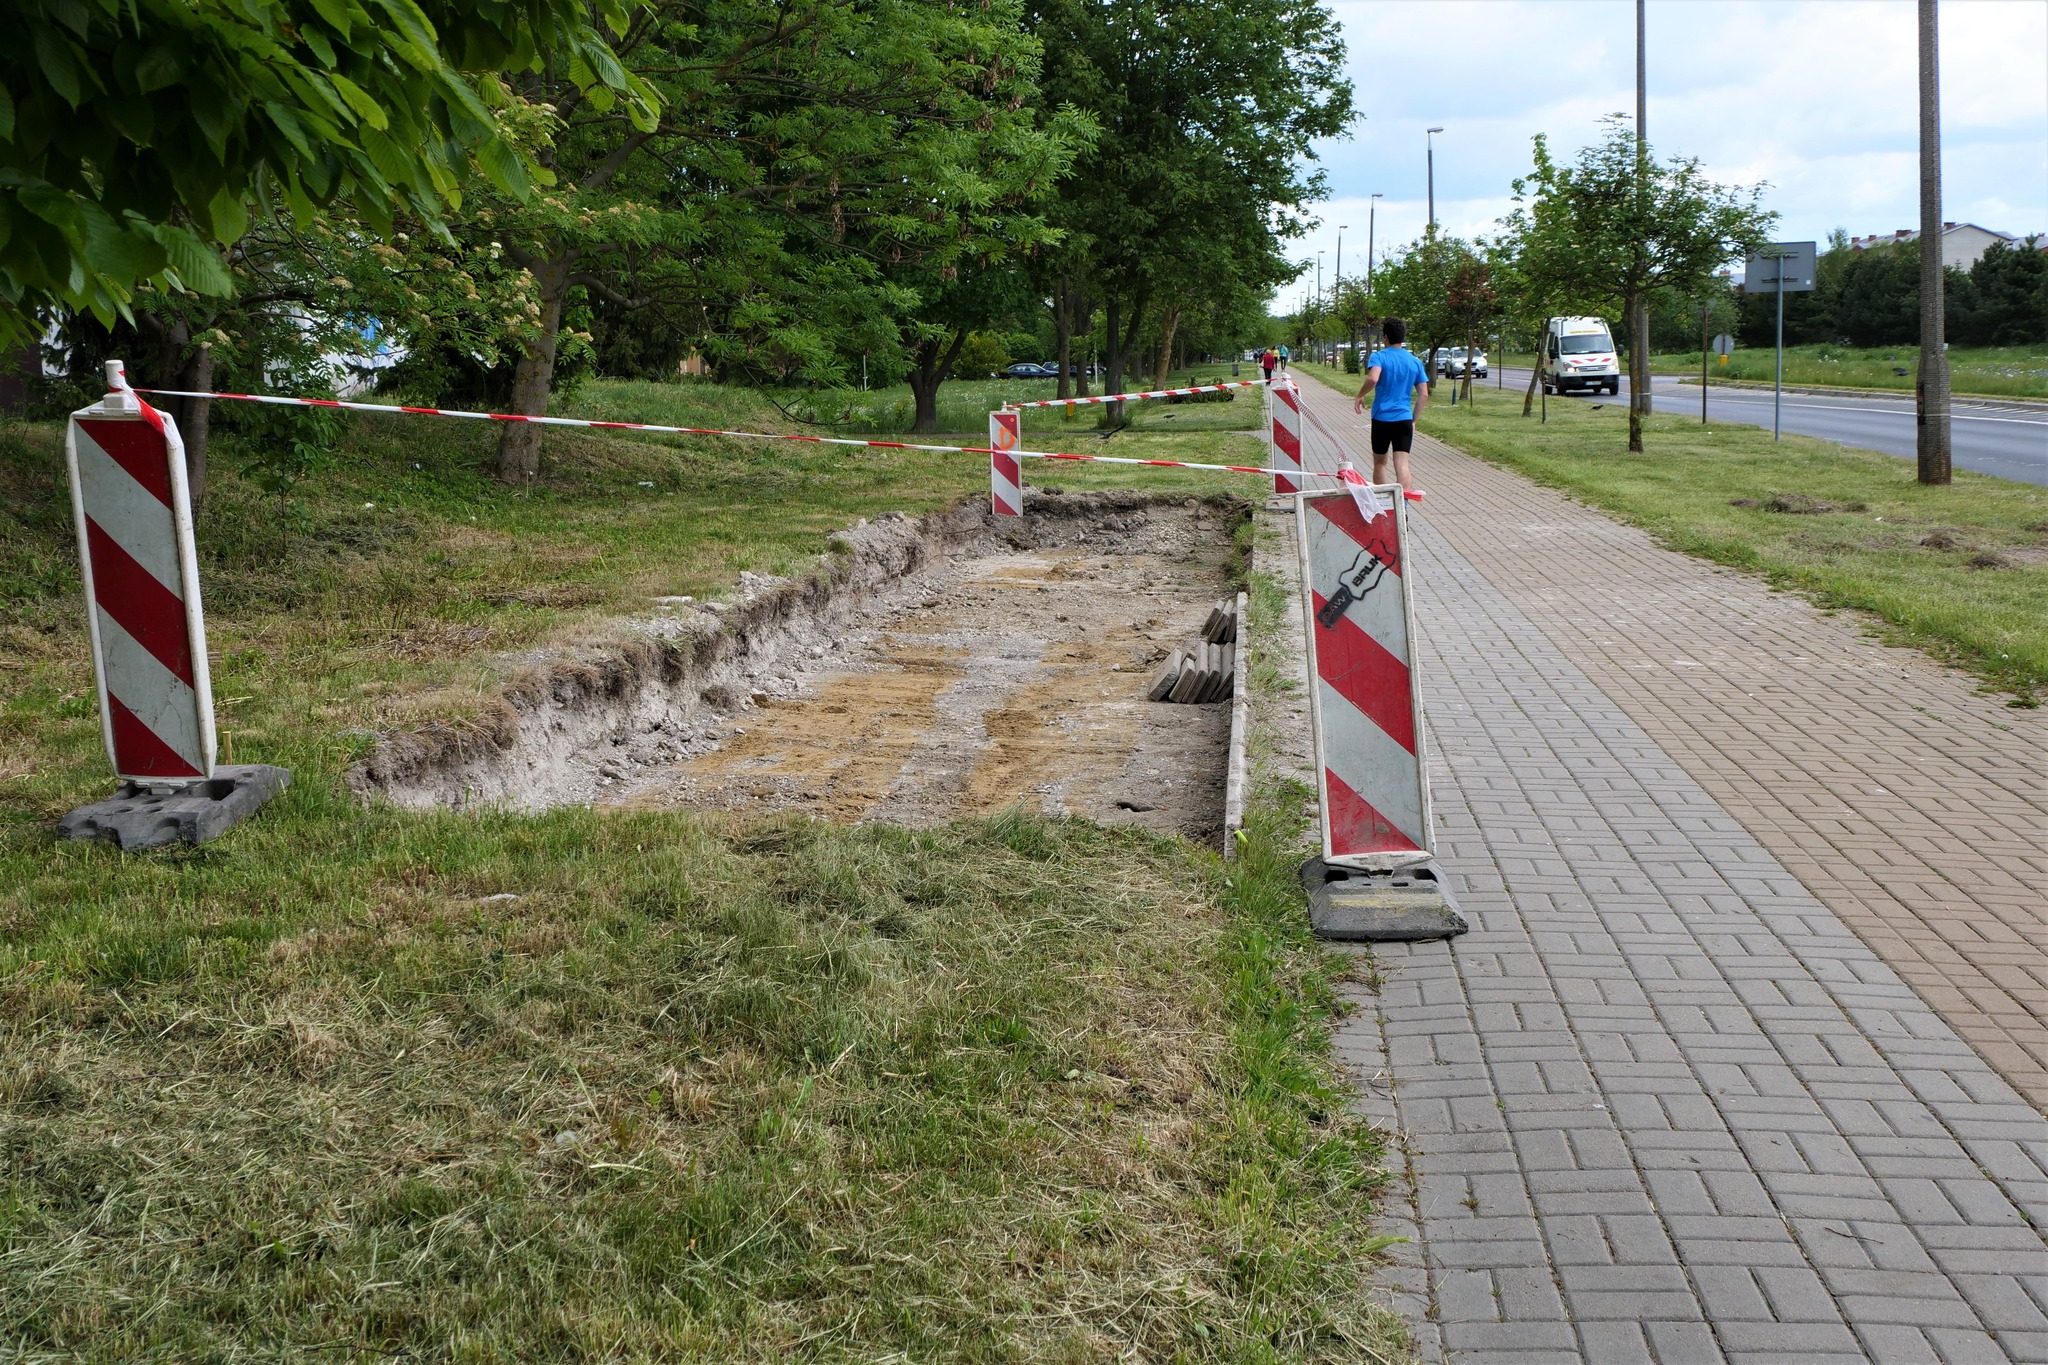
[1237, 780]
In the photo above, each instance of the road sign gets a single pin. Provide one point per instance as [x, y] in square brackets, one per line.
[141, 572]
[1724, 344]
[1779, 269]
[1780, 266]
[1366, 705]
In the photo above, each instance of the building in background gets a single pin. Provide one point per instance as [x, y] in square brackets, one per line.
[1961, 243]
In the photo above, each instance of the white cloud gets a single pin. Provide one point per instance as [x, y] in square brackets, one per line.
[1819, 98]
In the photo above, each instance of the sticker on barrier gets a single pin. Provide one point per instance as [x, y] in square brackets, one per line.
[1005, 473]
[1366, 702]
[1283, 434]
[141, 572]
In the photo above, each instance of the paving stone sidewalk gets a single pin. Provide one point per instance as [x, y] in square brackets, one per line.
[1662, 1104]
[1911, 805]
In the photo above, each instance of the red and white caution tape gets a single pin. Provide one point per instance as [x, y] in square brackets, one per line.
[707, 431]
[1149, 393]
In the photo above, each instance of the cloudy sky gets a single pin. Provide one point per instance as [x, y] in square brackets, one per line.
[1817, 97]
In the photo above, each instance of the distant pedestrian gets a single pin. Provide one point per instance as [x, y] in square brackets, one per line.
[1283, 358]
[1268, 358]
[1399, 386]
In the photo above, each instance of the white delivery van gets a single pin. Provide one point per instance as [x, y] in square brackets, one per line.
[1579, 354]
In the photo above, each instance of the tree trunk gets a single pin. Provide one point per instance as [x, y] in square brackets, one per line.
[179, 364]
[1121, 340]
[1063, 333]
[934, 364]
[1638, 370]
[196, 420]
[1465, 394]
[1169, 323]
[533, 376]
[1535, 377]
[1082, 309]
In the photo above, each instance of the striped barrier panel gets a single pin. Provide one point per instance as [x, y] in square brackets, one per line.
[1366, 704]
[1005, 473]
[1283, 434]
[134, 515]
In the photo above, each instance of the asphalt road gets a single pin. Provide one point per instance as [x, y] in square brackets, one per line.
[2009, 440]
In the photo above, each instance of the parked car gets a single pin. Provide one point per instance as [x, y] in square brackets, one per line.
[1029, 369]
[1074, 369]
[1450, 362]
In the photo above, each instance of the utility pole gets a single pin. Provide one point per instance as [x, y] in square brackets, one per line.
[1639, 321]
[1931, 390]
[1372, 208]
[1339, 282]
[1429, 141]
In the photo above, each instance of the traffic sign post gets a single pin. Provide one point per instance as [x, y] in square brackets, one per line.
[140, 570]
[1784, 268]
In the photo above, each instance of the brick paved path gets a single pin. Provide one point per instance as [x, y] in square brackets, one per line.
[1662, 1103]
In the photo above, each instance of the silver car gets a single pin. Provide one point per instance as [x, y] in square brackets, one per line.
[1450, 362]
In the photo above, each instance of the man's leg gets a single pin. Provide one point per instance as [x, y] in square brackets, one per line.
[1401, 474]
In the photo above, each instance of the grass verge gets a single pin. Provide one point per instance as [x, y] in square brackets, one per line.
[1987, 371]
[357, 1084]
[1960, 571]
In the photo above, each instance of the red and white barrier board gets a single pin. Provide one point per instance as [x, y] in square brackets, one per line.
[1005, 472]
[134, 516]
[1367, 702]
[1283, 433]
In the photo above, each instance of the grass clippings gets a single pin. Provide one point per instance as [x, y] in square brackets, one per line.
[357, 1084]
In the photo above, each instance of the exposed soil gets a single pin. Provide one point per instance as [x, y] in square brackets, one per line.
[954, 665]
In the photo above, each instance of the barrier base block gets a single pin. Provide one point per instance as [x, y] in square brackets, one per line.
[1402, 906]
[135, 817]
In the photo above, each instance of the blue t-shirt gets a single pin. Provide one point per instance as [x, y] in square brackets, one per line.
[1393, 399]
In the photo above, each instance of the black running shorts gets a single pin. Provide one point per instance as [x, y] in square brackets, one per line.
[1399, 435]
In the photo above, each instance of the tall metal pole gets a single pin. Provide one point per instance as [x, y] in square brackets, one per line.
[1778, 383]
[1931, 390]
[1639, 320]
[1338, 283]
[1371, 217]
[1703, 364]
[1429, 140]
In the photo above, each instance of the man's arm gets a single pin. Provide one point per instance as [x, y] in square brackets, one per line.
[1421, 399]
[1372, 379]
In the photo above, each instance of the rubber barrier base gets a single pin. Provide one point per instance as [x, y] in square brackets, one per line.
[134, 817]
[1349, 906]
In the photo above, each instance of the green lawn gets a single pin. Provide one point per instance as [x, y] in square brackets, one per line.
[356, 1084]
[1991, 371]
[1960, 571]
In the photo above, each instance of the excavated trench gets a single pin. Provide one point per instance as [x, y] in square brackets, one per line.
[928, 668]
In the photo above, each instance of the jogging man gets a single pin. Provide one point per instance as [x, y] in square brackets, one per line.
[1399, 386]
[1283, 357]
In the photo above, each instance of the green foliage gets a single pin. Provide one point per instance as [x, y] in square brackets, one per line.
[137, 134]
[1184, 200]
[982, 354]
[1615, 227]
[1871, 297]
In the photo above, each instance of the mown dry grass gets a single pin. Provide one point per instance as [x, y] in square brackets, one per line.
[357, 1084]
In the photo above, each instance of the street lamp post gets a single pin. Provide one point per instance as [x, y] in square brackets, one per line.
[1429, 140]
[1372, 209]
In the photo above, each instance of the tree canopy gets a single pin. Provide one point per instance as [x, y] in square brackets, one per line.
[137, 134]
